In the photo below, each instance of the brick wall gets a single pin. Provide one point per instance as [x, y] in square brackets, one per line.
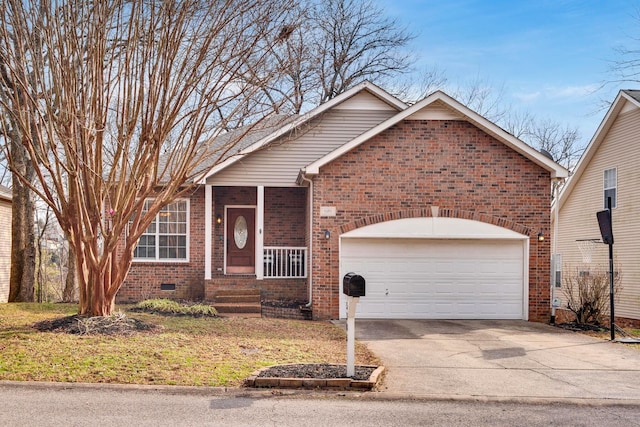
[145, 278]
[284, 226]
[418, 164]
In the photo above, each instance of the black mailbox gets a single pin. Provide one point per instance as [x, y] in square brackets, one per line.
[353, 285]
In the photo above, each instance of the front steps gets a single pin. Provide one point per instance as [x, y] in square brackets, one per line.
[238, 302]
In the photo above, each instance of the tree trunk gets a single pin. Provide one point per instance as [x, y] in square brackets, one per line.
[98, 282]
[69, 293]
[23, 249]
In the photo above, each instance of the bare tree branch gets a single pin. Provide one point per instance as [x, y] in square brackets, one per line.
[118, 102]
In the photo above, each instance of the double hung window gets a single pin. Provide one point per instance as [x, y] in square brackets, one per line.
[610, 186]
[167, 236]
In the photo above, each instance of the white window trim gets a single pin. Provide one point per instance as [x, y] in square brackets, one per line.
[188, 235]
[605, 188]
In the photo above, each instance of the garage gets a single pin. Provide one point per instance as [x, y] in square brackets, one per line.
[437, 268]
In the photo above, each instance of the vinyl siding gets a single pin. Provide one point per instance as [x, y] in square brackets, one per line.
[5, 248]
[279, 164]
[577, 218]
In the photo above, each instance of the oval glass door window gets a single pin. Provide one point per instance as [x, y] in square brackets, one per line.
[240, 232]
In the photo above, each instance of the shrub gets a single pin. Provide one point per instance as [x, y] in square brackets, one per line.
[587, 293]
[170, 307]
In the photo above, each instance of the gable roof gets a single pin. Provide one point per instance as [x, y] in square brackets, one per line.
[258, 140]
[624, 99]
[453, 109]
[5, 193]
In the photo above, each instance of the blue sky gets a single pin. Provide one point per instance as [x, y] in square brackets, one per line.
[550, 56]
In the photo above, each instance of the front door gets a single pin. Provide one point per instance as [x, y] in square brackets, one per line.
[241, 240]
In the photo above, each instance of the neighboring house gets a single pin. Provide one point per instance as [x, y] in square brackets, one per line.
[607, 168]
[5, 242]
[435, 206]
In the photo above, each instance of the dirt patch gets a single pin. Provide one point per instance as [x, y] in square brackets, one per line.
[316, 371]
[118, 324]
[582, 327]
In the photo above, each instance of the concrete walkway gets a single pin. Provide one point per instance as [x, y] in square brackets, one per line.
[500, 360]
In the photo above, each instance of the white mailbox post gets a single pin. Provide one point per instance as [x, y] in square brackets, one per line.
[353, 286]
[351, 335]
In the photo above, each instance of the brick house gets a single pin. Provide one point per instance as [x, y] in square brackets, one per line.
[436, 207]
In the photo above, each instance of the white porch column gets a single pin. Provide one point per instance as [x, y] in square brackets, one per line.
[208, 225]
[259, 233]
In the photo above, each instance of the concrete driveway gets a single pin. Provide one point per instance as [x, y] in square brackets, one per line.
[501, 360]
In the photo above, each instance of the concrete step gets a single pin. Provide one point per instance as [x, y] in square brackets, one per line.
[238, 302]
[236, 307]
[227, 292]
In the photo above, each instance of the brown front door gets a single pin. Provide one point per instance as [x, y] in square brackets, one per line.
[241, 240]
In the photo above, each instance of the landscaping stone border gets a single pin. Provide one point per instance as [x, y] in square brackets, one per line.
[256, 381]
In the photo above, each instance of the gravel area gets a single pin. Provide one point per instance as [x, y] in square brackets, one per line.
[318, 371]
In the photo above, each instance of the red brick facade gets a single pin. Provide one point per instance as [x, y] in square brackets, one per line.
[418, 164]
[400, 173]
[145, 278]
[284, 225]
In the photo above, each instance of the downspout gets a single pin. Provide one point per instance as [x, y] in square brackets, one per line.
[310, 258]
[555, 215]
[554, 247]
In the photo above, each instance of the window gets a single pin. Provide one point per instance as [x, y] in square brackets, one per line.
[166, 237]
[610, 183]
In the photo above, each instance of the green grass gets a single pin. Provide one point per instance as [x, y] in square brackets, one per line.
[201, 351]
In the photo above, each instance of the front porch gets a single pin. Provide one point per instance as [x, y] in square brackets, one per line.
[257, 240]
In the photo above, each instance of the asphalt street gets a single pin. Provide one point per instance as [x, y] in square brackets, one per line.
[60, 405]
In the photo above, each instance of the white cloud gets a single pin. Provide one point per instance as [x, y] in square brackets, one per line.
[571, 91]
[528, 97]
[557, 93]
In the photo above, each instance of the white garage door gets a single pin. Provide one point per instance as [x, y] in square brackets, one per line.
[437, 279]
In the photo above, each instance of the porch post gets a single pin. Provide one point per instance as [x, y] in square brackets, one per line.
[259, 233]
[208, 218]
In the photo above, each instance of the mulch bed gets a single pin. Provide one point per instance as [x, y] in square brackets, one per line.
[317, 371]
[117, 324]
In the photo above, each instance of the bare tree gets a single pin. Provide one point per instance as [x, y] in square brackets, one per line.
[70, 282]
[519, 123]
[419, 85]
[23, 235]
[626, 68]
[356, 41]
[119, 104]
[483, 97]
[562, 142]
[329, 46]
[41, 283]
[558, 140]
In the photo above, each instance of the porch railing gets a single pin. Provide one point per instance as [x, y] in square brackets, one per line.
[285, 262]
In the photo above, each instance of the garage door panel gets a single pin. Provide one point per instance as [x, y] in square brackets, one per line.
[426, 278]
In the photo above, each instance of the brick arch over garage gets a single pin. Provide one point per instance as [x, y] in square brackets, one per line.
[442, 213]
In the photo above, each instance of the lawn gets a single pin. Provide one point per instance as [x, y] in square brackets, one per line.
[183, 351]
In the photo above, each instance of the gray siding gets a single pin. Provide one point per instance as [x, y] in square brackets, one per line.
[278, 164]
